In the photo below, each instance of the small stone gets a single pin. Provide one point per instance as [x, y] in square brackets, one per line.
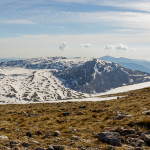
[127, 131]
[83, 107]
[34, 142]
[3, 137]
[13, 143]
[16, 130]
[140, 143]
[131, 141]
[50, 147]
[39, 148]
[11, 112]
[74, 130]
[146, 137]
[3, 129]
[78, 113]
[59, 147]
[139, 133]
[23, 113]
[75, 138]
[131, 135]
[55, 133]
[38, 133]
[66, 114]
[28, 134]
[81, 147]
[146, 112]
[46, 136]
[137, 148]
[25, 144]
[31, 115]
[120, 116]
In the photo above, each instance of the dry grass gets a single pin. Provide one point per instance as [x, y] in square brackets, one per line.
[84, 119]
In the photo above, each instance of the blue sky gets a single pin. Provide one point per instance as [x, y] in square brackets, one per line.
[86, 28]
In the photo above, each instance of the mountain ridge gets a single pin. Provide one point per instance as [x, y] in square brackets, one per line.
[55, 78]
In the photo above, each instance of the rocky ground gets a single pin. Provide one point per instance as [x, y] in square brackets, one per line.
[121, 124]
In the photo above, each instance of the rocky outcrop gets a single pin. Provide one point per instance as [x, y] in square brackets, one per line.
[131, 138]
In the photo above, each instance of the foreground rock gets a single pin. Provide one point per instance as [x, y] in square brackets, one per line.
[120, 116]
[3, 137]
[146, 112]
[112, 138]
[146, 137]
[13, 143]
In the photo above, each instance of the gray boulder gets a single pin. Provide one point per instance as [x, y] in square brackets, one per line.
[112, 138]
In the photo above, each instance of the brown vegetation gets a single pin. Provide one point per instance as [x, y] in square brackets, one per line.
[81, 119]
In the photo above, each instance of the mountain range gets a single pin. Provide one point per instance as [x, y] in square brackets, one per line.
[9, 59]
[55, 78]
[134, 64]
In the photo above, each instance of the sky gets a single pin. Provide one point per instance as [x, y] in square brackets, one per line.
[75, 28]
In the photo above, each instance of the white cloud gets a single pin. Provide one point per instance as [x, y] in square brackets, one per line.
[47, 45]
[109, 47]
[117, 47]
[121, 47]
[63, 46]
[86, 45]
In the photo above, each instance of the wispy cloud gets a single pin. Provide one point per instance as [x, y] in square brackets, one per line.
[87, 45]
[139, 5]
[46, 14]
[109, 47]
[17, 21]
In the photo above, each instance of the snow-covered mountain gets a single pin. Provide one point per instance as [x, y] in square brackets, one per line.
[54, 78]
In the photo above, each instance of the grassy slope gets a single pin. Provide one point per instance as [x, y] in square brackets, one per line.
[93, 117]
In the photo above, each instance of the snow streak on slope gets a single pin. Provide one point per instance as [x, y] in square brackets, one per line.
[95, 98]
[126, 88]
[19, 84]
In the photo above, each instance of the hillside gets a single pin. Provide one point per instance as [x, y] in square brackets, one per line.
[57, 78]
[78, 125]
